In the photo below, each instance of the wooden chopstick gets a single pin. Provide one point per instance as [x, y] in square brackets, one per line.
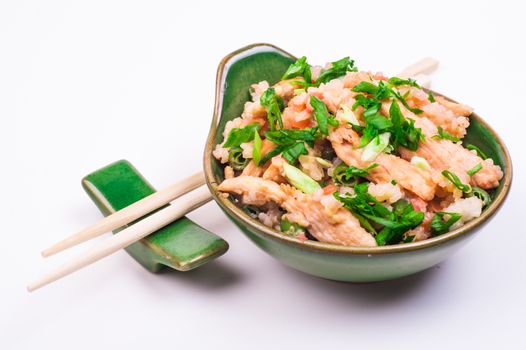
[152, 223]
[130, 213]
[139, 230]
[426, 65]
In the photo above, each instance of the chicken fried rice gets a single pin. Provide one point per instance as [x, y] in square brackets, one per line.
[353, 158]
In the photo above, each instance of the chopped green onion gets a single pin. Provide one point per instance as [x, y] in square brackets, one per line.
[291, 142]
[375, 147]
[236, 159]
[369, 210]
[349, 115]
[337, 69]
[291, 228]
[430, 97]
[323, 162]
[292, 153]
[476, 149]
[475, 169]
[421, 163]
[404, 131]
[348, 175]
[439, 226]
[237, 136]
[399, 82]
[274, 105]
[256, 151]
[409, 239]
[299, 179]
[367, 87]
[299, 91]
[482, 195]
[297, 69]
[456, 181]
[322, 115]
[445, 135]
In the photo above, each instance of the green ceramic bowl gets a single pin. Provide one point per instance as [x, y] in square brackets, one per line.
[257, 62]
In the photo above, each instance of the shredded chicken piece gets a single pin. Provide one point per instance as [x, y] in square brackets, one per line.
[339, 227]
[447, 155]
[251, 169]
[457, 108]
[275, 170]
[440, 115]
[345, 140]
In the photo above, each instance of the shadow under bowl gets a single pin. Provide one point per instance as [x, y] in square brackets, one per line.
[254, 63]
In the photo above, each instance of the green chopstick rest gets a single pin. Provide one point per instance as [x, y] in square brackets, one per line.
[181, 245]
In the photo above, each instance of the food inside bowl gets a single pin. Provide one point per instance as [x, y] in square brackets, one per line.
[354, 158]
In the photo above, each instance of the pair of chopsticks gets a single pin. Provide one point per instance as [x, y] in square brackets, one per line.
[185, 196]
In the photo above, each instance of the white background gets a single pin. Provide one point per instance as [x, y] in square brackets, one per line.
[83, 84]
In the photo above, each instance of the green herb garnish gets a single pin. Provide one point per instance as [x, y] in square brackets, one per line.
[293, 152]
[409, 239]
[404, 133]
[475, 169]
[322, 115]
[256, 151]
[444, 135]
[300, 180]
[381, 92]
[300, 68]
[338, 69]
[482, 195]
[237, 136]
[395, 81]
[348, 175]
[478, 150]
[290, 142]
[439, 225]
[430, 97]
[236, 159]
[291, 228]
[274, 105]
[456, 181]
[394, 223]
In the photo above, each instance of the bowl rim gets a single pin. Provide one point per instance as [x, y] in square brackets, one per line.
[233, 210]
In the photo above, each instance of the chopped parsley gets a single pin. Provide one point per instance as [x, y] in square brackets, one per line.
[372, 213]
[274, 105]
[475, 169]
[338, 69]
[322, 115]
[237, 136]
[439, 225]
[444, 135]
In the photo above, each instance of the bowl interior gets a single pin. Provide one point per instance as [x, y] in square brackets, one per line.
[259, 62]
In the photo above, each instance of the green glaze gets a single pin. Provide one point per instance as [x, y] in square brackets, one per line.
[182, 245]
[258, 62]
